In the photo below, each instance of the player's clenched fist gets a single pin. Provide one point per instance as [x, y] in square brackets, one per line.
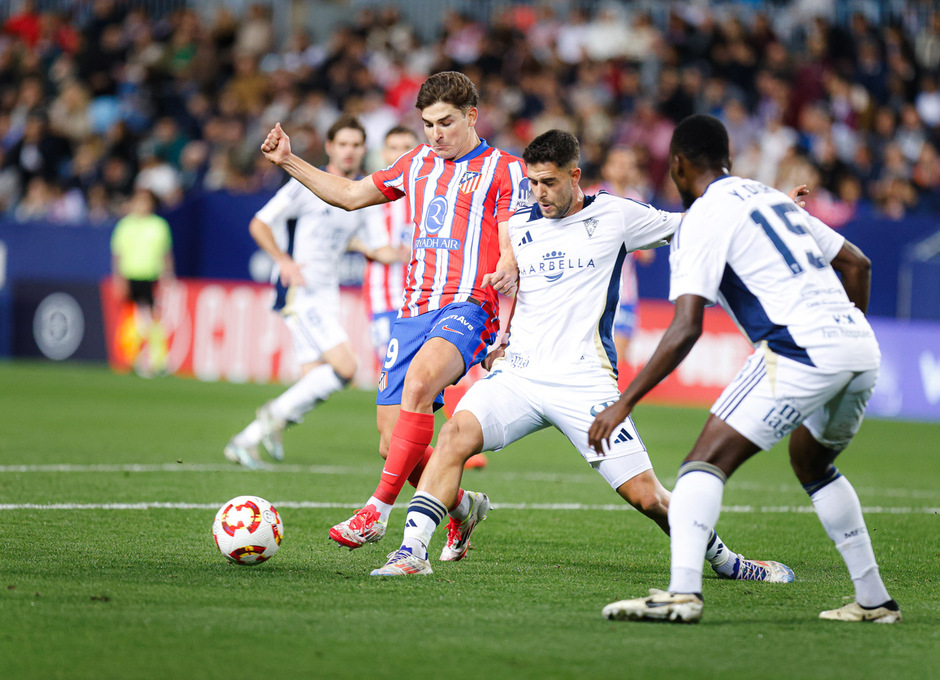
[276, 146]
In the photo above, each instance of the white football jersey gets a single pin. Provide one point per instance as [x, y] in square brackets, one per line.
[316, 234]
[766, 261]
[569, 282]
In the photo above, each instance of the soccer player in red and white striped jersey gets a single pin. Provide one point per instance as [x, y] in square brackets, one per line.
[461, 193]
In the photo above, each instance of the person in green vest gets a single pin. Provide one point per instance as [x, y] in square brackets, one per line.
[141, 255]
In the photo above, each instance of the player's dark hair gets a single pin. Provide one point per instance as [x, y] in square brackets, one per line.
[555, 146]
[449, 87]
[345, 122]
[401, 130]
[703, 140]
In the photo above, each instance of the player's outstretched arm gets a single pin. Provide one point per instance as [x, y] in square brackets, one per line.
[339, 191]
[855, 268]
[676, 343]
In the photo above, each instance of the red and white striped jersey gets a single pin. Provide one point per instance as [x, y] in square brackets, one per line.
[384, 283]
[456, 207]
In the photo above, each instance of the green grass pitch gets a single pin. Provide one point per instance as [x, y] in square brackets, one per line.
[143, 593]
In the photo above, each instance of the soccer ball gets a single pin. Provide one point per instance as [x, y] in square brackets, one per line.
[248, 530]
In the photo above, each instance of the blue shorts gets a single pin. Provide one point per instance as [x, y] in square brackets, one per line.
[463, 324]
[625, 320]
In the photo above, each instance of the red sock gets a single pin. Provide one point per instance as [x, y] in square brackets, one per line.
[415, 476]
[410, 440]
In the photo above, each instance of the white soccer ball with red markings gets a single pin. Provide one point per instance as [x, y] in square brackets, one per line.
[248, 530]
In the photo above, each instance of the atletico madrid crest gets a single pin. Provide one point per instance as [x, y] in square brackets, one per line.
[470, 182]
[383, 380]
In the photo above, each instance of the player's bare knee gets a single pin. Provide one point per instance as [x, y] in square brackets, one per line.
[454, 446]
[646, 495]
[417, 393]
[346, 370]
[650, 502]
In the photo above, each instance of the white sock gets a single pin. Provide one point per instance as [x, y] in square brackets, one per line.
[719, 556]
[425, 513]
[250, 436]
[384, 509]
[301, 397]
[693, 513]
[840, 512]
[461, 511]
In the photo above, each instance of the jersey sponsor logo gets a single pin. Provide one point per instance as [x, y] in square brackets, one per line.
[447, 328]
[554, 264]
[523, 199]
[526, 240]
[590, 225]
[437, 243]
[782, 419]
[470, 182]
[436, 216]
[517, 360]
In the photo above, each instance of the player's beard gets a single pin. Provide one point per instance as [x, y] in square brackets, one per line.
[562, 210]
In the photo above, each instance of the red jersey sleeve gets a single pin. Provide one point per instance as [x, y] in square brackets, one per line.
[392, 180]
[513, 192]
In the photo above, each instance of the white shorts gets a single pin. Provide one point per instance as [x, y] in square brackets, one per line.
[509, 406]
[314, 324]
[772, 395]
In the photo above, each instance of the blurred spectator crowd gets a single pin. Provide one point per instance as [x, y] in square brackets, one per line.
[95, 104]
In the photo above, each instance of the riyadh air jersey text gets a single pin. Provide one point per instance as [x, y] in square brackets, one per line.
[456, 207]
[766, 261]
[569, 282]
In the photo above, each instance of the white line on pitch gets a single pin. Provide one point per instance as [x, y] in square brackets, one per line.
[568, 478]
[774, 509]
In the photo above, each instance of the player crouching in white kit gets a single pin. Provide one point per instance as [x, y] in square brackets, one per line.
[560, 368]
[771, 266]
[307, 239]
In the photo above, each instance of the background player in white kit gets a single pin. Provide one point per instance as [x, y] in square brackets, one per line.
[384, 283]
[307, 238]
[771, 266]
[560, 367]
